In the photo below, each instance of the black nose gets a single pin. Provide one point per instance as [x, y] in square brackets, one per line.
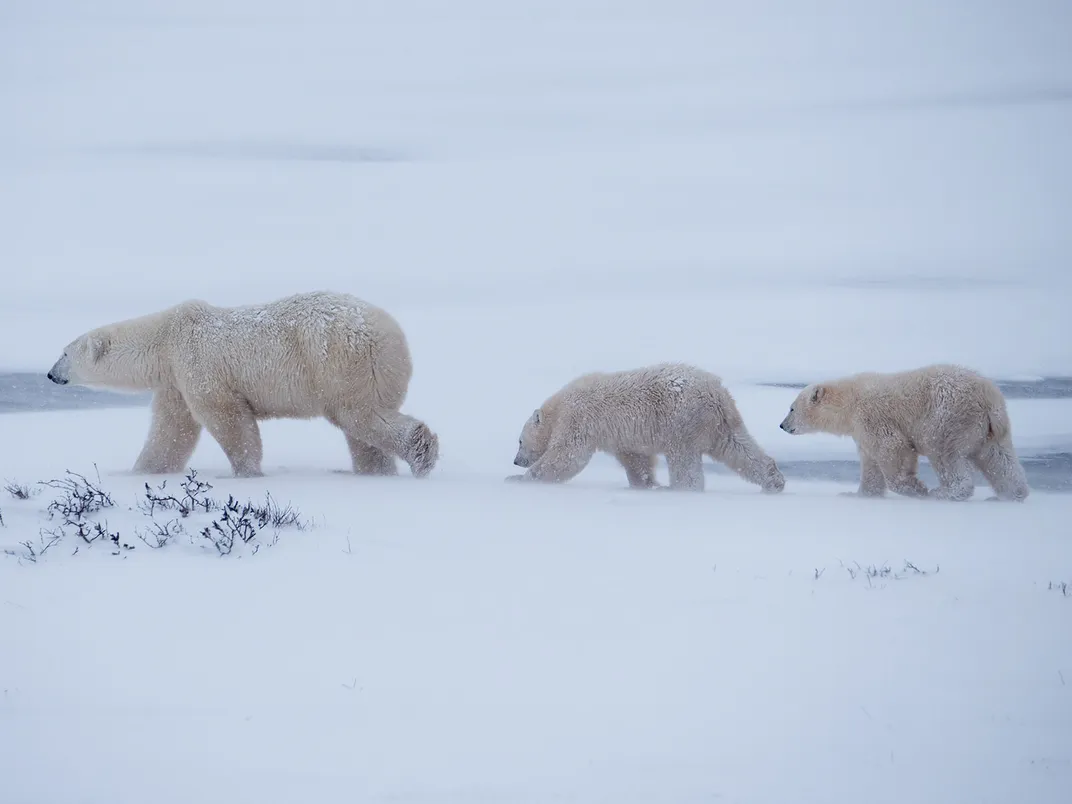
[517, 462]
[50, 376]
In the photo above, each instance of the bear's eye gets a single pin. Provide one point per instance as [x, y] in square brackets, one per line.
[791, 409]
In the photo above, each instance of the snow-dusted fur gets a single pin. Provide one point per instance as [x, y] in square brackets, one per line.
[949, 414]
[305, 356]
[675, 410]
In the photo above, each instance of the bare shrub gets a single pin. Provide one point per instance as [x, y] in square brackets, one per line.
[20, 491]
[883, 571]
[159, 534]
[235, 522]
[78, 498]
[194, 497]
[271, 513]
[32, 551]
[242, 522]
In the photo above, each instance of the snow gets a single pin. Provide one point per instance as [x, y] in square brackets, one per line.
[462, 638]
[537, 190]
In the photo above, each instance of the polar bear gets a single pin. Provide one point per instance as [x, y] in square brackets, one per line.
[949, 414]
[673, 409]
[305, 356]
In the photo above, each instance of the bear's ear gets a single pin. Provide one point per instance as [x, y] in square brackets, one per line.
[817, 394]
[537, 416]
[98, 346]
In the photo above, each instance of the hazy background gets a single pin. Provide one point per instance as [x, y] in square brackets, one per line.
[817, 172]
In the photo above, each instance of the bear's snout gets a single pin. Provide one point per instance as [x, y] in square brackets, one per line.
[60, 373]
[787, 427]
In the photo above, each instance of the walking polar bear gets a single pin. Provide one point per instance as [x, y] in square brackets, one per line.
[672, 409]
[949, 414]
[310, 355]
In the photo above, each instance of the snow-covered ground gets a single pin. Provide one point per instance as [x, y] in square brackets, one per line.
[776, 192]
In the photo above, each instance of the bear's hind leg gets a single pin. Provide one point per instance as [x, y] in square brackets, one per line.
[370, 461]
[955, 480]
[744, 456]
[686, 469]
[1002, 470]
[392, 434]
[172, 437]
[639, 469]
[235, 430]
[420, 448]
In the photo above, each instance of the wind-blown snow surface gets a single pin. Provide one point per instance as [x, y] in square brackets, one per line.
[464, 639]
[536, 190]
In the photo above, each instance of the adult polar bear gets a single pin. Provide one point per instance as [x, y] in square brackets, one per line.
[674, 409]
[951, 415]
[305, 356]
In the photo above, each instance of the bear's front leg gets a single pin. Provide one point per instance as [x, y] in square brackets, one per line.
[173, 435]
[686, 469]
[235, 429]
[895, 455]
[639, 469]
[872, 481]
[561, 462]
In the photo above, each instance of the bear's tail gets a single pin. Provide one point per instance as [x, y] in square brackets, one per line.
[998, 415]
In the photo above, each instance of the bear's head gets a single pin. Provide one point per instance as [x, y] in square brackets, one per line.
[810, 412]
[535, 436]
[82, 361]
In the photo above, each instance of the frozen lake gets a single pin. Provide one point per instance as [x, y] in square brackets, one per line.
[1048, 465]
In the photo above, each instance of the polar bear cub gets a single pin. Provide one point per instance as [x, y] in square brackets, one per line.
[949, 414]
[310, 355]
[672, 409]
